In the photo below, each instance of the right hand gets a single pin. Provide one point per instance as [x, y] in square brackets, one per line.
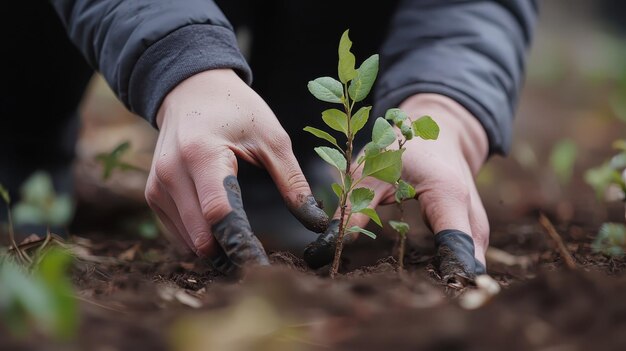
[206, 123]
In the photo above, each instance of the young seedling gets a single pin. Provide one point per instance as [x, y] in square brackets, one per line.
[426, 128]
[353, 86]
[36, 292]
[609, 182]
[4, 194]
[113, 160]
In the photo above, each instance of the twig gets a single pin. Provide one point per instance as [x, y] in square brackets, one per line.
[570, 263]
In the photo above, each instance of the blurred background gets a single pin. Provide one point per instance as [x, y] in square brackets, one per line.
[572, 108]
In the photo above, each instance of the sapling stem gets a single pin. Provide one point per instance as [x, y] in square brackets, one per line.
[401, 240]
[343, 221]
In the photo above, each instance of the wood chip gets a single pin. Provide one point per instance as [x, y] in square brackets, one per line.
[570, 263]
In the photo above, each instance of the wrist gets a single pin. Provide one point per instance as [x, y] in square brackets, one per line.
[457, 125]
[197, 85]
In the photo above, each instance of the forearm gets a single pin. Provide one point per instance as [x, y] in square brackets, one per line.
[144, 48]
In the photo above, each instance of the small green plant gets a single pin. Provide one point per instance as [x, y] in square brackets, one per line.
[609, 175]
[562, 160]
[35, 293]
[608, 183]
[378, 161]
[40, 204]
[611, 239]
[426, 128]
[113, 160]
[40, 298]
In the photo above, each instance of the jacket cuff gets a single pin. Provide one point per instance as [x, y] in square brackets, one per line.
[496, 133]
[181, 54]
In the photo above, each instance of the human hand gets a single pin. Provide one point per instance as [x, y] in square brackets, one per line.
[206, 123]
[442, 173]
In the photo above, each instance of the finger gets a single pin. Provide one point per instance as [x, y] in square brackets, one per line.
[455, 258]
[213, 170]
[480, 226]
[278, 158]
[162, 204]
[165, 207]
[196, 228]
[446, 203]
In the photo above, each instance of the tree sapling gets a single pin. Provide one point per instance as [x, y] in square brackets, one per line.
[426, 128]
[377, 161]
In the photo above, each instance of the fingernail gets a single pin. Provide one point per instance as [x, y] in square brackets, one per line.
[310, 214]
[321, 252]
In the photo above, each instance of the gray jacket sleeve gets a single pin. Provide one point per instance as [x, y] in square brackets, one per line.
[470, 51]
[144, 48]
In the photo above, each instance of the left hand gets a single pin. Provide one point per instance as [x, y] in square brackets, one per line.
[442, 173]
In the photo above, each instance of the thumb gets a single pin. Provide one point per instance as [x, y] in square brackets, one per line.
[279, 160]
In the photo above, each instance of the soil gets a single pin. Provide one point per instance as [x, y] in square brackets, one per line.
[146, 296]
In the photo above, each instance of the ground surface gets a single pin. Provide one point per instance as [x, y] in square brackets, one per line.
[140, 295]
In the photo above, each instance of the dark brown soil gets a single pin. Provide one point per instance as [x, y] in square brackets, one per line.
[134, 301]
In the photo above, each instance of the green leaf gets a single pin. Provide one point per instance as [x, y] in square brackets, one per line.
[148, 229]
[346, 59]
[396, 116]
[371, 213]
[337, 189]
[406, 131]
[426, 128]
[53, 271]
[348, 181]
[322, 135]
[619, 144]
[383, 134]
[618, 162]
[562, 160]
[112, 160]
[356, 229]
[360, 198]
[40, 205]
[25, 300]
[401, 227]
[404, 191]
[332, 156]
[60, 211]
[326, 89]
[362, 83]
[599, 178]
[371, 149]
[359, 119]
[386, 166]
[5, 194]
[611, 239]
[336, 119]
[37, 189]
[25, 213]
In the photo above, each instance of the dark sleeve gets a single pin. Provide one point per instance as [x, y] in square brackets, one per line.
[144, 48]
[471, 51]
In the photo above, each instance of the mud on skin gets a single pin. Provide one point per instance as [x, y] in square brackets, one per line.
[238, 245]
[310, 213]
[321, 252]
[455, 256]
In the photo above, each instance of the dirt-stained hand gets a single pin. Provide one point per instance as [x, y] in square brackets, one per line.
[442, 173]
[206, 123]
